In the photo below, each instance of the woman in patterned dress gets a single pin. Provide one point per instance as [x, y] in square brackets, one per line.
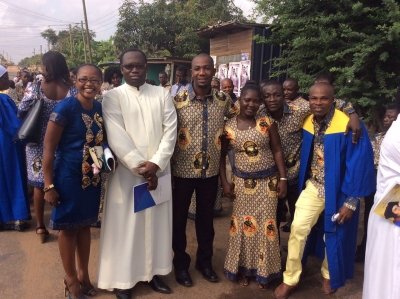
[260, 178]
[72, 182]
[55, 87]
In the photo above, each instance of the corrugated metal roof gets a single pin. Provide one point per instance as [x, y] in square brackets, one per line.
[227, 27]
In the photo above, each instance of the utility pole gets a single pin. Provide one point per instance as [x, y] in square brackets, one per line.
[84, 42]
[70, 41]
[41, 53]
[33, 52]
[87, 32]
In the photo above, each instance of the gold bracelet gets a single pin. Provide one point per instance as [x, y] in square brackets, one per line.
[283, 179]
[45, 189]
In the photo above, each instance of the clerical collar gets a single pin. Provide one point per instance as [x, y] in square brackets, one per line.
[138, 88]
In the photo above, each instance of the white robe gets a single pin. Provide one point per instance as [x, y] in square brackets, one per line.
[141, 125]
[382, 262]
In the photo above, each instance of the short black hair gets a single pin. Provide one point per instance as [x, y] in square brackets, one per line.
[210, 59]
[109, 73]
[132, 50]
[182, 69]
[163, 73]
[150, 81]
[72, 70]
[388, 211]
[262, 82]
[272, 83]
[89, 64]
[327, 77]
[251, 86]
[56, 67]
[393, 107]
[12, 84]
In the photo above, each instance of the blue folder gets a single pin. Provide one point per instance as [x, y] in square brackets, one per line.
[142, 198]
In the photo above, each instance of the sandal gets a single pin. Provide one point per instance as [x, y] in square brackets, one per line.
[43, 236]
[90, 291]
[68, 293]
[243, 280]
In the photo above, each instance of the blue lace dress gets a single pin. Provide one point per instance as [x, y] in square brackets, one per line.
[78, 187]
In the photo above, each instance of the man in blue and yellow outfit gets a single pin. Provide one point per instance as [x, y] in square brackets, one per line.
[334, 174]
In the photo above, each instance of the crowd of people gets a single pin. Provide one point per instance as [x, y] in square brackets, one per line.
[270, 150]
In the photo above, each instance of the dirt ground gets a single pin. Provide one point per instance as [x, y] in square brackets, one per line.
[31, 270]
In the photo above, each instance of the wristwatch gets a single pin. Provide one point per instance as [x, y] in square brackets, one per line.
[45, 189]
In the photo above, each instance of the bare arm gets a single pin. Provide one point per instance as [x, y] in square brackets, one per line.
[51, 140]
[222, 170]
[276, 148]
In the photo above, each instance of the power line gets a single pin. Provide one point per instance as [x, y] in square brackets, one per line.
[115, 21]
[106, 29]
[17, 8]
[97, 19]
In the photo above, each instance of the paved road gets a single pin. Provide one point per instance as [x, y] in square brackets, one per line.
[30, 270]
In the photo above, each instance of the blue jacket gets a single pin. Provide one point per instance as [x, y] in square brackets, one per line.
[349, 172]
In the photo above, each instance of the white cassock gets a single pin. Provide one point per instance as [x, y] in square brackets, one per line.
[382, 262]
[141, 126]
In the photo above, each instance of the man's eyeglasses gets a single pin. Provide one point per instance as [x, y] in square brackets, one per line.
[130, 67]
[93, 81]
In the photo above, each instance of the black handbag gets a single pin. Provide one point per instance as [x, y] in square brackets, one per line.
[30, 129]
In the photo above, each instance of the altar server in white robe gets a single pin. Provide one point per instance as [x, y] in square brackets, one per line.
[382, 261]
[141, 124]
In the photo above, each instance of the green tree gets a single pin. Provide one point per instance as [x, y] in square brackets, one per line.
[50, 35]
[33, 60]
[166, 28]
[357, 41]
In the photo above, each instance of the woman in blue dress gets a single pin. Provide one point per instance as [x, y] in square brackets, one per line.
[72, 184]
[14, 204]
[55, 87]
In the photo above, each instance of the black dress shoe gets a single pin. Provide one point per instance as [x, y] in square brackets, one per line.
[208, 273]
[159, 286]
[124, 294]
[183, 278]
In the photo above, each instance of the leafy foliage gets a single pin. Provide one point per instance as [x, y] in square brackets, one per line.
[357, 41]
[166, 28]
[102, 50]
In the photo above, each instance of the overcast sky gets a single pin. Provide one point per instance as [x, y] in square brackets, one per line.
[21, 21]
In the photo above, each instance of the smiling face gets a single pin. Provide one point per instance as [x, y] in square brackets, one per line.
[290, 89]
[202, 71]
[227, 86]
[88, 82]
[134, 68]
[249, 103]
[321, 100]
[273, 97]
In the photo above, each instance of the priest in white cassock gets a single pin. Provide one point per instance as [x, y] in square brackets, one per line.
[382, 261]
[140, 122]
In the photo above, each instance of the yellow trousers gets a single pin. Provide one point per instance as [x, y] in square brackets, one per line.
[308, 208]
